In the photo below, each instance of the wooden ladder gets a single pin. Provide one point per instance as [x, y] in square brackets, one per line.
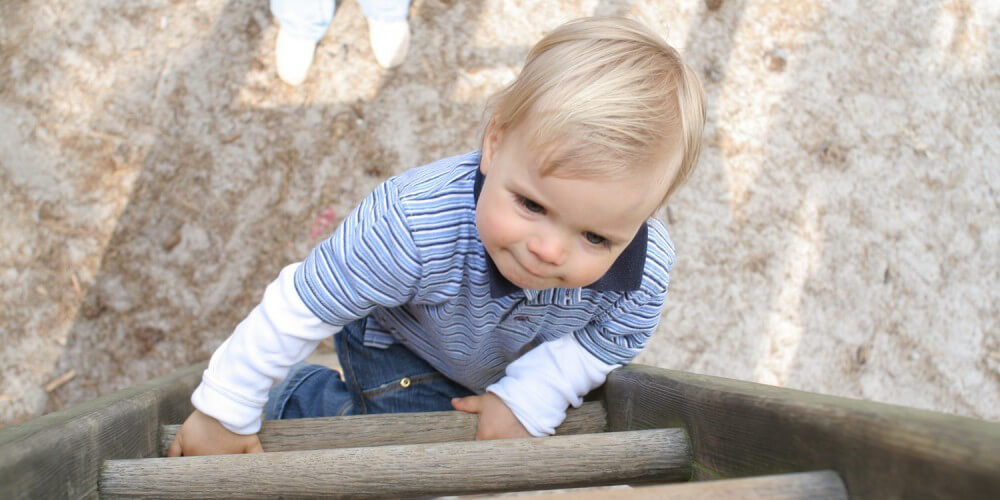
[646, 428]
[421, 454]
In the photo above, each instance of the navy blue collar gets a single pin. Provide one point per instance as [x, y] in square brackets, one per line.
[625, 274]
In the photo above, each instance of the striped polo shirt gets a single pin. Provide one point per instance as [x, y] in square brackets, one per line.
[410, 259]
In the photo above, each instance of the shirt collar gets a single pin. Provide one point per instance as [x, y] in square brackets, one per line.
[624, 275]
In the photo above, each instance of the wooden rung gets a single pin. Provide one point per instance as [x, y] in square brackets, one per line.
[390, 428]
[819, 485]
[410, 470]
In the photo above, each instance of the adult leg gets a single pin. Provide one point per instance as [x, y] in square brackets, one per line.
[385, 10]
[302, 23]
[305, 19]
[388, 29]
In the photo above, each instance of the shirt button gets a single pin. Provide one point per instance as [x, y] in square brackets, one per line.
[404, 382]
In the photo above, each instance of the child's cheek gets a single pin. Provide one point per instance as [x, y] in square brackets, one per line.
[497, 224]
[487, 221]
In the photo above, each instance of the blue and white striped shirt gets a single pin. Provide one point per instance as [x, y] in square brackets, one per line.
[409, 256]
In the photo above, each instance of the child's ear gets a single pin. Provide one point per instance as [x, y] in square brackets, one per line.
[491, 141]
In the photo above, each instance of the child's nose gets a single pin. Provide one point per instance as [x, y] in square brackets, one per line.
[548, 249]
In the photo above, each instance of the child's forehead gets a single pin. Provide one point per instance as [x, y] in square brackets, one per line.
[571, 158]
[562, 149]
[566, 155]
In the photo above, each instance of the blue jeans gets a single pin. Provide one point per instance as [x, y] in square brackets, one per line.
[375, 381]
[310, 19]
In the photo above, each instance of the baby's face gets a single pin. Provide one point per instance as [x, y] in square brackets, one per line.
[553, 232]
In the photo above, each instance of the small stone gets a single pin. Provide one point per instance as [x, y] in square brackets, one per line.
[712, 72]
[833, 154]
[92, 306]
[359, 111]
[776, 60]
[713, 4]
[861, 355]
[171, 241]
[49, 211]
[148, 338]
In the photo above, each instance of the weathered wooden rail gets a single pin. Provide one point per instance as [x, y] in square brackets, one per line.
[411, 470]
[390, 429]
[819, 485]
[741, 429]
[729, 439]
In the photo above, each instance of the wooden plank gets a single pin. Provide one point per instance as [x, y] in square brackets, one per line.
[387, 429]
[60, 455]
[743, 429]
[819, 485]
[410, 470]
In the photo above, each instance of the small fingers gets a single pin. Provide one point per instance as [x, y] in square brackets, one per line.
[174, 450]
[468, 404]
[255, 447]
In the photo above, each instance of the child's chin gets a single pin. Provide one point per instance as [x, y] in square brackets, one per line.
[520, 281]
[532, 283]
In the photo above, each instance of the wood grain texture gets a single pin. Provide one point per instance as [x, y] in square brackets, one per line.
[410, 470]
[392, 428]
[60, 455]
[743, 429]
[819, 485]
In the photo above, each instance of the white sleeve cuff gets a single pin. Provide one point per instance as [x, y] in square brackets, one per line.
[232, 410]
[539, 385]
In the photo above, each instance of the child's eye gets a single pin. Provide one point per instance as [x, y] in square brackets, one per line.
[531, 206]
[596, 239]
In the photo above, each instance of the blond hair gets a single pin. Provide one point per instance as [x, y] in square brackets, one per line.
[613, 94]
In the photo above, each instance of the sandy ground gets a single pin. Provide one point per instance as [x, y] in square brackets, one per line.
[842, 233]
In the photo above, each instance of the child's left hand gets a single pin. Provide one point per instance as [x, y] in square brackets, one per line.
[496, 421]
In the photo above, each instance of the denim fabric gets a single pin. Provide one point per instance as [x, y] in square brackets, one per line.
[376, 380]
[310, 19]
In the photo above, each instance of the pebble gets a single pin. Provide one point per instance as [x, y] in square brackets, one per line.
[775, 60]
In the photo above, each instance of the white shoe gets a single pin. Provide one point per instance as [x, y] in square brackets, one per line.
[390, 41]
[293, 56]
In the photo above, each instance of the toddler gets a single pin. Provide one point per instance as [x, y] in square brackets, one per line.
[506, 282]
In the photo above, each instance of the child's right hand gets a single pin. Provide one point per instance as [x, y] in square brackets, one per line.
[204, 435]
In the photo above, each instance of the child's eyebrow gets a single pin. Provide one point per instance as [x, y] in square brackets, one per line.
[616, 235]
[613, 237]
[523, 190]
